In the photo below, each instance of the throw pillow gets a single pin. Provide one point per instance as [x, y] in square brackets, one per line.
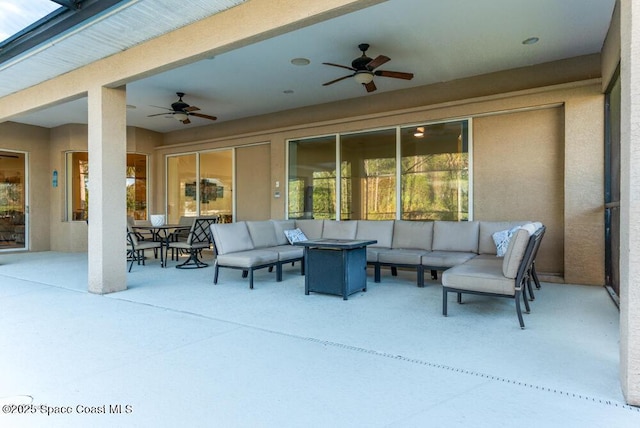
[502, 238]
[294, 235]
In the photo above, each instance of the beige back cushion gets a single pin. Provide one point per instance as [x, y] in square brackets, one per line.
[415, 235]
[280, 226]
[456, 236]
[340, 229]
[263, 234]
[380, 230]
[515, 253]
[231, 237]
[312, 229]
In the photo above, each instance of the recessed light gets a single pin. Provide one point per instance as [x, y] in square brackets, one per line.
[288, 91]
[300, 61]
[530, 41]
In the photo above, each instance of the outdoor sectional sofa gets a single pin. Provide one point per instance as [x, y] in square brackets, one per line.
[420, 245]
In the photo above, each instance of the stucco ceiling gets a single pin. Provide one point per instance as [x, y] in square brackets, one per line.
[436, 40]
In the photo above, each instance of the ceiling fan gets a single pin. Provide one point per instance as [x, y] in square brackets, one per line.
[364, 67]
[181, 111]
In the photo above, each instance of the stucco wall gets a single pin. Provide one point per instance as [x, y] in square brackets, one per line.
[541, 127]
[518, 169]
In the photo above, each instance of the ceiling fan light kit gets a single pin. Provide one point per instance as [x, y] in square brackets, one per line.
[364, 70]
[363, 77]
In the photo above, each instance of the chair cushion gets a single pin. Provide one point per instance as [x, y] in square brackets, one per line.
[412, 235]
[456, 236]
[484, 278]
[515, 253]
[446, 259]
[380, 230]
[288, 252]
[247, 259]
[402, 256]
[340, 229]
[280, 226]
[263, 234]
[231, 237]
[311, 228]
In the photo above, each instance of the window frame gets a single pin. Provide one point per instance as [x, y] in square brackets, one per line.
[398, 129]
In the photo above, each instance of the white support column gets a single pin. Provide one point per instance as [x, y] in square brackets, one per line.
[107, 190]
[630, 202]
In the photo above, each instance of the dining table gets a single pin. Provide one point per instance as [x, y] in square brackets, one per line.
[163, 233]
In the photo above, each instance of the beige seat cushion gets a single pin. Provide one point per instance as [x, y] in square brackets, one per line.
[402, 256]
[287, 252]
[446, 259]
[486, 279]
[247, 259]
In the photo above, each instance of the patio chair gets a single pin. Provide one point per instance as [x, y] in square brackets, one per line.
[509, 280]
[199, 238]
[532, 274]
[137, 247]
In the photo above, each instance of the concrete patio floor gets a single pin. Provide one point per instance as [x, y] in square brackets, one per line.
[176, 351]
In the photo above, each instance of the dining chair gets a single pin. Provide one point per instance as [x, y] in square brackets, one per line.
[199, 238]
[137, 247]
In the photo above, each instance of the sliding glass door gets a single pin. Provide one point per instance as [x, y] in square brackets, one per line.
[13, 213]
[200, 184]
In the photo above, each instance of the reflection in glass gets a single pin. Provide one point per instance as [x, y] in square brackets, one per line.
[137, 186]
[216, 173]
[368, 175]
[12, 200]
[312, 178]
[435, 172]
[181, 187]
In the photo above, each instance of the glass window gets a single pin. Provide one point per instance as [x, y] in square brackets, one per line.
[200, 184]
[137, 186]
[435, 172]
[181, 187]
[431, 161]
[78, 186]
[368, 175]
[312, 178]
[216, 179]
[78, 181]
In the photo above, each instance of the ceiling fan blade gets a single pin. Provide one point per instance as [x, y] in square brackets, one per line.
[338, 65]
[395, 74]
[370, 86]
[377, 61]
[164, 108]
[337, 80]
[186, 121]
[159, 114]
[204, 116]
[190, 108]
